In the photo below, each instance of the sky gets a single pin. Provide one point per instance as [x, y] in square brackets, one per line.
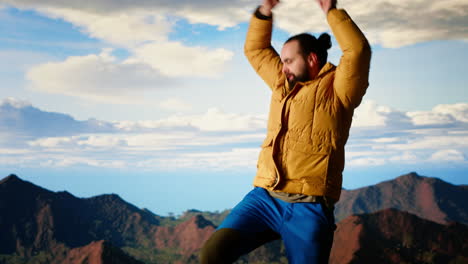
[155, 101]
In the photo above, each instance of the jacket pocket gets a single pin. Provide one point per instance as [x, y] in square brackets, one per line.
[307, 163]
[301, 164]
[309, 148]
[266, 153]
[266, 169]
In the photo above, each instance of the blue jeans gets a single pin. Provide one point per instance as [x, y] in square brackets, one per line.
[305, 228]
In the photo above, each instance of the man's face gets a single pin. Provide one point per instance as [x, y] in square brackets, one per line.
[295, 66]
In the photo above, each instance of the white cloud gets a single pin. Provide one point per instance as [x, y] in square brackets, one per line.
[218, 13]
[433, 142]
[355, 154]
[385, 140]
[169, 123]
[99, 141]
[127, 29]
[14, 102]
[370, 161]
[214, 120]
[16, 162]
[154, 62]
[97, 77]
[143, 141]
[441, 115]
[396, 23]
[60, 161]
[451, 155]
[406, 157]
[13, 151]
[158, 141]
[391, 23]
[111, 142]
[430, 118]
[52, 142]
[298, 16]
[217, 140]
[238, 158]
[386, 136]
[178, 142]
[167, 151]
[370, 114]
[457, 111]
[175, 104]
[175, 60]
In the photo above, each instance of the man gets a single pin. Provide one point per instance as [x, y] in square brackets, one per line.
[300, 165]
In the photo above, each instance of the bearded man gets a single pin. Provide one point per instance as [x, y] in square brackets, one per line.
[300, 165]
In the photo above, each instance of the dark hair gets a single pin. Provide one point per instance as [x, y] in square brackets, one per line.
[309, 43]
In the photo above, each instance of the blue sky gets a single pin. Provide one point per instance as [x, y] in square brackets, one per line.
[155, 101]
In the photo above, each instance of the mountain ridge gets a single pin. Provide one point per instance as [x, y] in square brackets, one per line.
[391, 236]
[36, 224]
[34, 219]
[428, 197]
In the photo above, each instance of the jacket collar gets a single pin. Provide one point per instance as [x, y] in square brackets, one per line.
[325, 69]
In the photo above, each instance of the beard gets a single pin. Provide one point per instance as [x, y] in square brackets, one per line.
[302, 76]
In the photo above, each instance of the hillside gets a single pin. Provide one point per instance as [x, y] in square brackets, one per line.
[428, 198]
[40, 226]
[35, 221]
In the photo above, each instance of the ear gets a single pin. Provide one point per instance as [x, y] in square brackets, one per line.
[312, 60]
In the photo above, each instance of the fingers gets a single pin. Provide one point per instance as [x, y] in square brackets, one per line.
[326, 5]
[267, 6]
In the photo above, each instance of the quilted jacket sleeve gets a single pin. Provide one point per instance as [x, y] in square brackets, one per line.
[352, 73]
[258, 50]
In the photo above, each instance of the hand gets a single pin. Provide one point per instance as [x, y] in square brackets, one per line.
[326, 5]
[267, 6]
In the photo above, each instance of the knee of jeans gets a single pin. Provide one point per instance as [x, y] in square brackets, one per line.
[209, 254]
[220, 247]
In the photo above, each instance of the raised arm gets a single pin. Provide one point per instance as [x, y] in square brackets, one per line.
[352, 73]
[258, 49]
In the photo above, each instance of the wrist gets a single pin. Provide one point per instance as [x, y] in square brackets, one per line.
[261, 15]
[330, 9]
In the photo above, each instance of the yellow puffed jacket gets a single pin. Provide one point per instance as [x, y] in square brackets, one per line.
[308, 125]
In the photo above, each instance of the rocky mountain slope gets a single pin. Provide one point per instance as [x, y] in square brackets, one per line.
[428, 198]
[37, 222]
[392, 236]
[427, 224]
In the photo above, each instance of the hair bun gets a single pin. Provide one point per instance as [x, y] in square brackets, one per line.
[325, 41]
